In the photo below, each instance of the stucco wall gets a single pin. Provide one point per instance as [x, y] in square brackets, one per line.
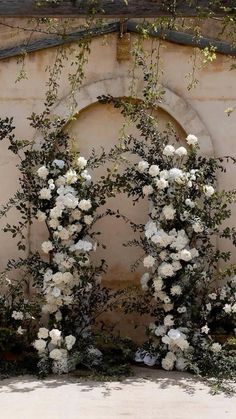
[199, 111]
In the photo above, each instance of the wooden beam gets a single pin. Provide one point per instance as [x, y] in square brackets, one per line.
[180, 38]
[114, 8]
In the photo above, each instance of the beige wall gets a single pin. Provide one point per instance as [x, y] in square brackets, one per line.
[201, 109]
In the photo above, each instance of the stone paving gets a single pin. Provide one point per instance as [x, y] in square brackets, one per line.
[149, 394]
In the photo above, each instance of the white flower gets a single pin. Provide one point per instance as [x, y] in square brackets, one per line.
[142, 166]
[162, 239]
[56, 292]
[176, 290]
[169, 150]
[45, 193]
[56, 354]
[165, 270]
[81, 162]
[185, 255]
[83, 245]
[176, 174]
[20, 331]
[216, 347]
[54, 223]
[149, 261]
[168, 320]
[174, 334]
[192, 140]
[43, 333]
[198, 227]
[71, 176]
[42, 172]
[88, 219]
[181, 151]
[169, 212]
[41, 216]
[17, 315]
[47, 246]
[62, 234]
[60, 181]
[189, 203]
[59, 163]
[68, 200]
[205, 329]
[40, 345]
[180, 241]
[70, 341]
[182, 309]
[56, 212]
[181, 364]
[212, 296]
[76, 215]
[208, 307]
[161, 183]
[144, 280]
[147, 190]
[154, 170]
[55, 336]
[158, 284]
[227, 308]
[208, 190]
[160, 331]
[167, 364]
[85, 204]
[149, 360]
[86, 176]
[194, 252]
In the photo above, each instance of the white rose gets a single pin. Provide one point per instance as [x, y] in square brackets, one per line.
[40, 345]
[208, 190]
[81, 162]
[42, 172]
[181, 151]
[147, 190]
[56, 212]
[161, 183]
[56, 354]
[47, 246]
[169, 212]
[142, 166]
[154, 170]
[192, 140]
[45, 193]
[169, 150]
[43, 333]
[53, 224]
[149, 261]
[185, 255]
[55, 336]
[167, 364]
[198, 227]
[70, 341]
[85, 204]
[88, 219]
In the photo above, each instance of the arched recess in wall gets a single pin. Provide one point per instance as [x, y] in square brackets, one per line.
[178, 108]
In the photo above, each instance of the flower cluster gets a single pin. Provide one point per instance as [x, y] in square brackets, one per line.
[185, 212]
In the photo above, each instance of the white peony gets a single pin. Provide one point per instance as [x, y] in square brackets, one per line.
[169, 151]
[176, 174]
[88, 219]
[169, 212]
[198, 227]
[70, 341]
[56, 212]
[208, 190]
[167, 364]
[43, 333]
[181, 151]
[47, 246]
[81, 162]
[54, 223]
[154, 170]
[45, 193]
[142, 166]
[147, 190]
[192, 140]
[85, 204]
[149, 261]
[42, 172]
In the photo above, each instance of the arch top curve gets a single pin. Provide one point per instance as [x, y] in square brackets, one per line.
[177, 107]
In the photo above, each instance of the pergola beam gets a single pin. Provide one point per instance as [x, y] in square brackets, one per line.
[115, 8]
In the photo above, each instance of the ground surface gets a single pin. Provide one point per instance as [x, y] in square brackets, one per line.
[149, 394]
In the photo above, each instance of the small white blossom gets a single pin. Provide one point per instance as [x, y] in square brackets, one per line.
[216, 347]
[85, 204]
[45, 193]
[208, 190]
[47, 246]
